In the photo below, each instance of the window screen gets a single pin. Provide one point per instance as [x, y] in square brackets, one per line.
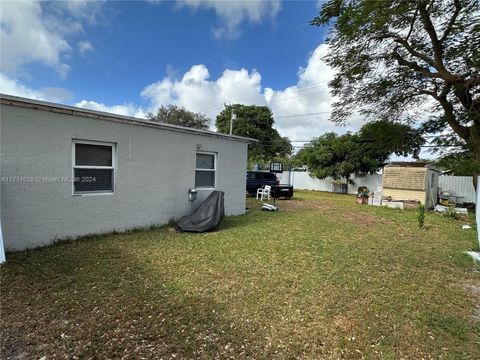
[205, 161]
[93, 168]
[93, 155]
[205, 170]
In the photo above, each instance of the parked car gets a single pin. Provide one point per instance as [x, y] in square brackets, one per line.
[257, 179]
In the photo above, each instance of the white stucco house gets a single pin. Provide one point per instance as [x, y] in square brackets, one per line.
[67, 171]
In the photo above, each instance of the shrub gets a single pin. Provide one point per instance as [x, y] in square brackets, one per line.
[451, 213]
[421, 215]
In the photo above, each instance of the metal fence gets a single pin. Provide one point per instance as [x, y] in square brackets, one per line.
[461, 185]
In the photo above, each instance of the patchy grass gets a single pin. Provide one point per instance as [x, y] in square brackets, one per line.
[323, 278]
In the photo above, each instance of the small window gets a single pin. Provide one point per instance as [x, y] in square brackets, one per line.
[93, 168]
[205, 170]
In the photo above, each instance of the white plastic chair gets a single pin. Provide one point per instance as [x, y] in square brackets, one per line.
[264, 192]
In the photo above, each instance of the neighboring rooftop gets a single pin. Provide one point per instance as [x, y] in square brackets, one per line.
[100, 115]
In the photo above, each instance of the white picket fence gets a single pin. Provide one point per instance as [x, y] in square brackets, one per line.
[461, 185]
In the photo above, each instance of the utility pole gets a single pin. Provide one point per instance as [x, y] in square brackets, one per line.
[233, 117]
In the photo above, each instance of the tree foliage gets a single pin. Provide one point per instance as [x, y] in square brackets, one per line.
[255, 122]
[341, 157]
[382, 138]
[405, 60]
[177, 115]
[459, 163]
[331, 155]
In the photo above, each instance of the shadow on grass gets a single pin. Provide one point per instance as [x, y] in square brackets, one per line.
[97, 300]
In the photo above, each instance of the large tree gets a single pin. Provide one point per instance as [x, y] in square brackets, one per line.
[332, 156]
[458, 163]
[255, 122]
[365, 152]
[407, 60]
[177, 115]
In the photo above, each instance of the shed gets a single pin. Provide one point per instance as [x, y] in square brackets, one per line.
[68, 172]
[411, 181]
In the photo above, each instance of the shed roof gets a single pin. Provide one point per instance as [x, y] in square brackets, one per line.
[101, 115]
[413, 164]
[408, 163]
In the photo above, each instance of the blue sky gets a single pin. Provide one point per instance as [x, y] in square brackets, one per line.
[131, 57]
[142, 42]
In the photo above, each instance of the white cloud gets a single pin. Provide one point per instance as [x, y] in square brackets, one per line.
[127, 109]
[232, 13]
[309, 96]
[198, 92]
[33, 31]
[12, 86]
[85, 46]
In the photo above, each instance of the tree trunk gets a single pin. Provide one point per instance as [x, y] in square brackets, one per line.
[474, 147]
[476, 173]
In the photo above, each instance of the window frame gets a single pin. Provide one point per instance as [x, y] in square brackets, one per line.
[214, 170]
[113, 167]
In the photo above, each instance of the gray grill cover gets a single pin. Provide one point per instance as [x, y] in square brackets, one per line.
[206, 217]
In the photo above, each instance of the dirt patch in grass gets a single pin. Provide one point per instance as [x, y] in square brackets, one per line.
[473, 290]
[324, 206]
[304, 204]
[363, 218]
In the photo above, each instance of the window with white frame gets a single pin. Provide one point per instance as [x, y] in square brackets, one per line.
[93, 167]
[205, 170]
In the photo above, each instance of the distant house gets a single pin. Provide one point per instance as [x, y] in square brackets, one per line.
[67, 171]
[411, 181]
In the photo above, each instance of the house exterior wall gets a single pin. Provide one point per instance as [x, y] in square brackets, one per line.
[154, 170]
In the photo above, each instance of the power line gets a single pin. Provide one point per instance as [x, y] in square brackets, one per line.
[298, 115]
[311, 140]
[302, 146]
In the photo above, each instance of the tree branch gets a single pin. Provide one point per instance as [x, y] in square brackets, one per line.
[436, 43]
[461, 130]
[448, 29]
[413, 23]
[471, 83]
[471, 105]
[405, 44]
[414, 66]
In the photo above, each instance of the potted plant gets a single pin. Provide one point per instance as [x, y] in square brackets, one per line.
[362, 195]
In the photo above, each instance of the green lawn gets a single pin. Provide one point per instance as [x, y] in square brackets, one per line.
[324, 278]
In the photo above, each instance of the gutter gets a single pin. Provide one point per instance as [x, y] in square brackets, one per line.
[101, 115]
